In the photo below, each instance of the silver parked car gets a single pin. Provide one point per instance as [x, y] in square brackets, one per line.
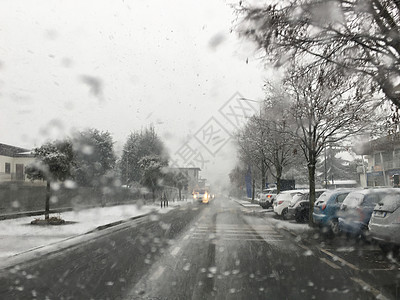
[384, 225]
[356, 210]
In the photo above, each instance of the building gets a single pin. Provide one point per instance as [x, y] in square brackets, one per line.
[192, 174]
[338, 184]
[383, 157]
[13, 161]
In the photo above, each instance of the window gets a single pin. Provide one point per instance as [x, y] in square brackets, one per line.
[396, 153]
[341, 197]
[7, 168]
[377, 159]
[371, 200]
[387, 156]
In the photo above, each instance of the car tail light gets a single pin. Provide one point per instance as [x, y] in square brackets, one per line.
[397, 221]
[323, 206]
[280, 202]
[269, 196]
[361, 213]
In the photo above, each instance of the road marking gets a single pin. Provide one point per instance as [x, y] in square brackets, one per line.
[335, 257]
[255, 239]
[329, 263]
[239, 239]
[236, 231]
[186, 237]
[369, 288]
[157, 273]
[304, 247]
[175, 251]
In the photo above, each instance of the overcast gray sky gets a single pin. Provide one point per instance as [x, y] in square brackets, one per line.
[120, 66]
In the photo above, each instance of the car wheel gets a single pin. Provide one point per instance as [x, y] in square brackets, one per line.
[305, 218]
[299, 219]
[335, 227]
[385, 248]
[284, 213]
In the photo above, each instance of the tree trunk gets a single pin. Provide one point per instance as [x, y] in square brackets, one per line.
[47, 204]
[263, 172]
[311, 179]
[253, 190]
[180, 194]
[278, 180]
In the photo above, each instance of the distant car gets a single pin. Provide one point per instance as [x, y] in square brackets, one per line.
[282, 201]
[384, 226]
[267, 197]
[356, 210]
[326, 208]
[201, 195]
[299, 207]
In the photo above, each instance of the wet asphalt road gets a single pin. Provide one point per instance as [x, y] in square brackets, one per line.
[217, 251]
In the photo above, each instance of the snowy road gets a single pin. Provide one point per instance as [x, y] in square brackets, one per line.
[218, 251]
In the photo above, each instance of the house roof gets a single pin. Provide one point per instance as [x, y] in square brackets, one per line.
[12, 151]
[381, 144]
[183, 168]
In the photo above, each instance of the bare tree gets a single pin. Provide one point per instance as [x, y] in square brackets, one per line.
[328, 107]
[362, 37]
[252, 142]
[281, 148]
[266, 142]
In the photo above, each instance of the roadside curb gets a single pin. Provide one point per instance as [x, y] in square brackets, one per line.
[35, 213]
[102, 227]
[249, 204]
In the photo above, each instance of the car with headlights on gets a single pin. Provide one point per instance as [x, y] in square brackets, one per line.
[201, 195]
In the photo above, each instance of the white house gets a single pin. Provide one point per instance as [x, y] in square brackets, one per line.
[383, 156]
[192, 174]
[13, 161]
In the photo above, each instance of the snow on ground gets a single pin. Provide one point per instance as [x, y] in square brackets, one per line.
[246, 203]
[17, 235]
[291, 225]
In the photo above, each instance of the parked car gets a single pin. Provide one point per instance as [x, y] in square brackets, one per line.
[258, 197]
[326, 208]
[299, 207]
[384, 226]
[268, 197]
[356, 210]
[282, 201]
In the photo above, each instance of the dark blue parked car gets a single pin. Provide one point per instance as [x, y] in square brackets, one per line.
[326, 208]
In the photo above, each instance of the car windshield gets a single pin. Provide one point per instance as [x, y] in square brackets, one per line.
[389, 202]
[353, 199]
[178, 149]
[200, 191]
[324, 197]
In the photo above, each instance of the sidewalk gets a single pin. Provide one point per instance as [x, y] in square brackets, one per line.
[18, 236]
[246, 203]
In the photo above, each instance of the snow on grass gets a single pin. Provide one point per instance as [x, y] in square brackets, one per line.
[290, 225]
[18, 235]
